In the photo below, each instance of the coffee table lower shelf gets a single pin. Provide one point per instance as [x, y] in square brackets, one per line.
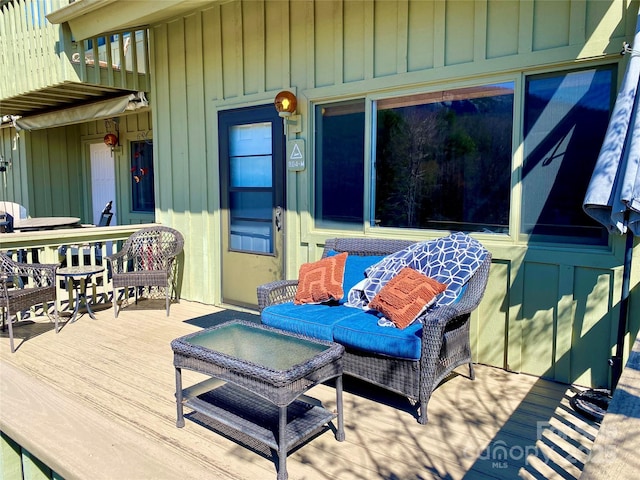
[254, 416]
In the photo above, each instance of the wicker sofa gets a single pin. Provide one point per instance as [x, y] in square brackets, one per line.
[442, 335]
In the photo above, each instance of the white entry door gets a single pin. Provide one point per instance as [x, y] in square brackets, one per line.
[103, 181]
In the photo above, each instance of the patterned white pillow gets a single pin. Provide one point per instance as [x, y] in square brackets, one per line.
[451, 260]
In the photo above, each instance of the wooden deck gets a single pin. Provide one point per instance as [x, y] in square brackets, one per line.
[96, 401]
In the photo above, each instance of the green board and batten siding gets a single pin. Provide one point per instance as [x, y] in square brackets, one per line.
[549, 310]
[37, 158]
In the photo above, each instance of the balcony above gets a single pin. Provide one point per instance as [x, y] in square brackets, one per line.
[46, 69]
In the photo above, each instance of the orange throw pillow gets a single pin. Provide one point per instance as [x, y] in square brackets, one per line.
[405, 296]
[321, 281]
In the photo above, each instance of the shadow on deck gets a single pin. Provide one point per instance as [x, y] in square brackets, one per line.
[97, 401]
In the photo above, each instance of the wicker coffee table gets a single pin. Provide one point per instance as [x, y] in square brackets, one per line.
[258, 375]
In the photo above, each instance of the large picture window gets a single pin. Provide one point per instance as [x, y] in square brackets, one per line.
[565, 120]
[142, 191]
[443, 160]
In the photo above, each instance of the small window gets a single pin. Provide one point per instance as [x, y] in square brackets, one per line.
[142, 191]
[339, 174]
[565, 120]
[443, 160]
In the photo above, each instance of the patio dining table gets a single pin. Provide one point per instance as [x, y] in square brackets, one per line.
[80, 276]
[45, 223]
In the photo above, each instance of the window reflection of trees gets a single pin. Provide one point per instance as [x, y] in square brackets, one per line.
[445, 164]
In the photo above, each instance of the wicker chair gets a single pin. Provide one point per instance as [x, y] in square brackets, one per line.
[445, 338]
[23, 286]
[147, 259]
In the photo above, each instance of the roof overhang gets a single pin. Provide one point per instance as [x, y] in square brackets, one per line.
[90, 18]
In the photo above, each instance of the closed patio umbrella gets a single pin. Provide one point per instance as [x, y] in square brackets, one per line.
[613, 195]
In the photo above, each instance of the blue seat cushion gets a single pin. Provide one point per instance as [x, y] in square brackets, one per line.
[363, 332]
[312, 320]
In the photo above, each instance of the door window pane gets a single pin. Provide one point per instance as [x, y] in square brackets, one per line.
[250, 155]
[251, 171]
[250, 236]
[142, 191]
[250, 139]
[566, 117]
[248, 204]
[251, 229]
[339, 193]
[251, 187]
[443, 159]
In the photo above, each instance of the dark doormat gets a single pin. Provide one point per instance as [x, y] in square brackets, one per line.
[592, 403]
[217, 318]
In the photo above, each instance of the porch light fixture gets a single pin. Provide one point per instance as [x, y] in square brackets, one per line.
[111, 140]
[285, 103]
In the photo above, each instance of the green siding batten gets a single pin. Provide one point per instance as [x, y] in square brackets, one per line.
[539, 317]
[18, 464]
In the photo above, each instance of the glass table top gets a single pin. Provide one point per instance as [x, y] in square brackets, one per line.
[257, 345]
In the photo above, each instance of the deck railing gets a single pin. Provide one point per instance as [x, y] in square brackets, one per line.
[35, 54]
[83, 246]
[118, 60]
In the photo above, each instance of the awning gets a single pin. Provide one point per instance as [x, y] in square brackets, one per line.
[83, 113]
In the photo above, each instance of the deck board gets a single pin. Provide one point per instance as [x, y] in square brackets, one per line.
[97, 401]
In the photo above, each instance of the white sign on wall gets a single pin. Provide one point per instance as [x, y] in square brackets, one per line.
[295, 155]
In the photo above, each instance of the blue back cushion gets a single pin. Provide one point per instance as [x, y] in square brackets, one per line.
[354, 269]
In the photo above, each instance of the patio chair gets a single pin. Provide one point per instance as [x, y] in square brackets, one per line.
[12, 213]
[16, 210]
[85, 250]
[23, 286]
[105, 217]
[6, 222]
[147, 259]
